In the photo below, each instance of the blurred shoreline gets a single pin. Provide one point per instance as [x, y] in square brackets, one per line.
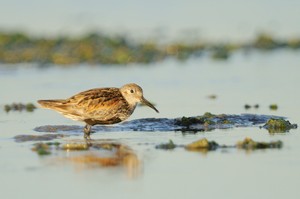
[99, 48]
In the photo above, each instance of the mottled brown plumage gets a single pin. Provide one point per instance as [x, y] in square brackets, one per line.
[100, 105]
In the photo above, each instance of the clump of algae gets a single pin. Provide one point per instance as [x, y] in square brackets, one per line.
[167, 146]
[279, 125]
[29, 107]
[207, 119]
[250, 144]
[202, 144]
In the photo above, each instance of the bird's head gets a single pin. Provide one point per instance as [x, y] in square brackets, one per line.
[133, 94]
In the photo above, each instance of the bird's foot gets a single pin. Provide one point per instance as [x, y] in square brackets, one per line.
[88, 142]
[87, 132]
[87, 136]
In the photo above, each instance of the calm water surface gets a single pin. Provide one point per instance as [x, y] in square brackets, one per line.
[178, 89]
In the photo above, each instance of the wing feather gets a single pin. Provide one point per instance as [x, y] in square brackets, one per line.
[95, 106]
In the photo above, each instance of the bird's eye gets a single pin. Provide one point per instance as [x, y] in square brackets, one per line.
[132, 91]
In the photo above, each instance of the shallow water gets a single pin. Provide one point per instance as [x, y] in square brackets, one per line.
[192, 20]
[178, 89]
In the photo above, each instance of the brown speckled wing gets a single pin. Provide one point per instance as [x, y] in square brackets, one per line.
[98, 106]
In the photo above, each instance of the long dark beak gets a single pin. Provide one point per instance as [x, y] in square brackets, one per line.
[146, 102]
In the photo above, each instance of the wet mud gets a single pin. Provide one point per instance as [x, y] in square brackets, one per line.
[205, 122]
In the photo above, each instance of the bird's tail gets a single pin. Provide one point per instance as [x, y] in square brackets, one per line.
[62, 107]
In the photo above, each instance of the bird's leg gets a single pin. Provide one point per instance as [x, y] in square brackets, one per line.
[87, 131]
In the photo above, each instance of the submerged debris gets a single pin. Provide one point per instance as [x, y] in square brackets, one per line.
[212, 96]
[248, 106]
[266, 41]
[273, 107]
[53, 143]
[249, 144]
[220, 53]
[167, 146]
[279, 125]
[42, 148]
[205, 122]
[44, 137]
[202, 144]
[29, 107]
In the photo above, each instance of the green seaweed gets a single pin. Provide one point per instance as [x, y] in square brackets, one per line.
[278, 125]
[29, 107]
[208, 115]
[202, 144]
[167, 146]
[220, 53]
[7, 108]
[273, 107]
[265, 41]
[250, 144]
[247, 106]
[294, 43]
[42, 148]
[212, 96]
[225, 121]
[98, 48]
[187, 121]
[53, 143]
[207, 119]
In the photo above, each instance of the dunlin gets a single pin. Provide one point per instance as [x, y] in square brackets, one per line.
[100, 105]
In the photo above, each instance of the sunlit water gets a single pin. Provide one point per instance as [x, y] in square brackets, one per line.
[177, 89]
